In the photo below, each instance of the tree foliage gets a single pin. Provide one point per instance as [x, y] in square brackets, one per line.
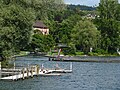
[85, 35]
[15, 27]
[109, 25]
[66, 28]
[17, 18]
[41, 42]
[65, 22]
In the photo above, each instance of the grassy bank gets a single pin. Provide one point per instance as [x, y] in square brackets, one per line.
[96, 54]
[22, 53]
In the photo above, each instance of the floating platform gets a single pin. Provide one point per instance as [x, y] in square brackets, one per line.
[60, 71]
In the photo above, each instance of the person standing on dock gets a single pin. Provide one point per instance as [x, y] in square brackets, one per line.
[42, 68]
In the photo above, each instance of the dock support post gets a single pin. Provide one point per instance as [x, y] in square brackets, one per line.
[0, 66]
[31, 71]
[37, 70]
[27, 70]
[23, 74]
[49, 59]
[71, 66]
[14, 65]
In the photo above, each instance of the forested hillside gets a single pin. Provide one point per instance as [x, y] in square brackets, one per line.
[79, 27]
[81, 7]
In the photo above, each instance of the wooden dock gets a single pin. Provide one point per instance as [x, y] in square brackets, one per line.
[16, 74]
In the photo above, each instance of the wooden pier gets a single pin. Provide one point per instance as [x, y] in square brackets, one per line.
[31, 71]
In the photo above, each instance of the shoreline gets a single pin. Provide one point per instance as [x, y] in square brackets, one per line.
[104, 59]
[96, 61]
[99, 59]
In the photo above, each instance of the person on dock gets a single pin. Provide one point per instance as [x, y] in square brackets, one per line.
[42, 67]
[57, 67]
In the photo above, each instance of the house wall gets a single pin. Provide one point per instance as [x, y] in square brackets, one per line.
[44, 31]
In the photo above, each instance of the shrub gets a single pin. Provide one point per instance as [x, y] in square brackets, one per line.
[100, 51]
[79, 53]
[69, 51]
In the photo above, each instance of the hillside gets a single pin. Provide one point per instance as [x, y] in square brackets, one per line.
[81, 7]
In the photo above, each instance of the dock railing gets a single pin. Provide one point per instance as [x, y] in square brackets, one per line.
[29, 71]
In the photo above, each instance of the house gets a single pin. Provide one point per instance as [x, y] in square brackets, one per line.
[40, 26]
[91, 16]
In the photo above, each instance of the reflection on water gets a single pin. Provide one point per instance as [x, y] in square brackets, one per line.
[85, 76]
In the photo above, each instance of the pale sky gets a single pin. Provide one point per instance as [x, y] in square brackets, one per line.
[83, 2]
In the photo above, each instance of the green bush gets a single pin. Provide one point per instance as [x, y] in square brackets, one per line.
[68, 51]
[5, 64]
[100, 51]
[93, 54]
[79, 53]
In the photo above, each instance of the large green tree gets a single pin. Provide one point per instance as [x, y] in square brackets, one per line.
[66, 28]
[85, 35]
[109, 24]
[15, 27]
[45, 9]
[41, 43]
[16, 20]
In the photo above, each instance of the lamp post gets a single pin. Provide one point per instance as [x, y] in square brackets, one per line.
[0, 66]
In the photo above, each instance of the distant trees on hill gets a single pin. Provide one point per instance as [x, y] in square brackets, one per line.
[81, 7]
[17, 18]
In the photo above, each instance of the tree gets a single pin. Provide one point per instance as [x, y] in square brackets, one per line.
[66, 28]
[85, 35]
[15, 27]
[16, 20]
[41, 42]
[46, 8]
[109, 25]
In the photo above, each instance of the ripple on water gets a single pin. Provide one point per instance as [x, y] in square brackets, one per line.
[85, 76]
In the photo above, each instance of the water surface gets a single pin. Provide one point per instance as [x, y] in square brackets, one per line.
[85, 76]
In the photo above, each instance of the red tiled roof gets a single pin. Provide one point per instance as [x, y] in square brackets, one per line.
[39, 24]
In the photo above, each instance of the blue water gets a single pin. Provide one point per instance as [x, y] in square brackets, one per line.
[85, 76]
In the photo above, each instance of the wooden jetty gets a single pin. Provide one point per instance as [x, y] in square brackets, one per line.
[16, 74]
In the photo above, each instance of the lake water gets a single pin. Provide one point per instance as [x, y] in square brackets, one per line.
[85, 76]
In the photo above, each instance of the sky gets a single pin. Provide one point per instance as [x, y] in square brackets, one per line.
[84, 2]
